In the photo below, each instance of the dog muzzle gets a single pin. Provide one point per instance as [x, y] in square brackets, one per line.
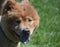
[25, 36]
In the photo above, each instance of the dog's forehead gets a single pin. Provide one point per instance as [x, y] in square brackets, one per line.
[20, 10]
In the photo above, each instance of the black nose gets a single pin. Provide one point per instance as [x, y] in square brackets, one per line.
[26, 32]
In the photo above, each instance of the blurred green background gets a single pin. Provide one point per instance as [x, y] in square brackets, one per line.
[48, 33]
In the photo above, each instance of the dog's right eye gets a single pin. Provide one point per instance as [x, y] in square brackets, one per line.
[17, 22]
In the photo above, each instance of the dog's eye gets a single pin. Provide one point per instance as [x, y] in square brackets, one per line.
[17, 21]
[29, 20]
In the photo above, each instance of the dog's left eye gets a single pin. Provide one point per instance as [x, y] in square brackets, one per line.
[29, 20]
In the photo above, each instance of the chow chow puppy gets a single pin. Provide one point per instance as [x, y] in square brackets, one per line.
[17, 23]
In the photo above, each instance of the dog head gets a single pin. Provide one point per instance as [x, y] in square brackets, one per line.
[19, 18]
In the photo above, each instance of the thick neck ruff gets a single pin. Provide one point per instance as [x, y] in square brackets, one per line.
[5, 35]
[8, 35]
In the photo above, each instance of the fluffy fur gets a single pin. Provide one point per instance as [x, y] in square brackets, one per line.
[18, 22]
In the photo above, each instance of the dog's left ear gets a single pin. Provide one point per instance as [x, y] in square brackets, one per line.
[7, 6]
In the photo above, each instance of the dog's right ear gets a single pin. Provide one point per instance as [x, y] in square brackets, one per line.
[7, 6]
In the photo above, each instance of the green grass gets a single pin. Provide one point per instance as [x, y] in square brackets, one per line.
[48, 33]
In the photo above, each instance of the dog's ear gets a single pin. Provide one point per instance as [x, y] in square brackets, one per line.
[7, 6]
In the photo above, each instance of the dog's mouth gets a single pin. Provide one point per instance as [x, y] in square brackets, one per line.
[24, 37]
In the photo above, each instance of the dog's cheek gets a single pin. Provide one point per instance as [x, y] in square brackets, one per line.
[34, 27]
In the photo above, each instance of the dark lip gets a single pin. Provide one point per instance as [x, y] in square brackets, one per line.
[24, 36]
[24, 39]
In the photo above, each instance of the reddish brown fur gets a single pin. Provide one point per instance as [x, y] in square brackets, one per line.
[22, 11]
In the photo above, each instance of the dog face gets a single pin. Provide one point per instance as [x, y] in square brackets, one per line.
[20, 18]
